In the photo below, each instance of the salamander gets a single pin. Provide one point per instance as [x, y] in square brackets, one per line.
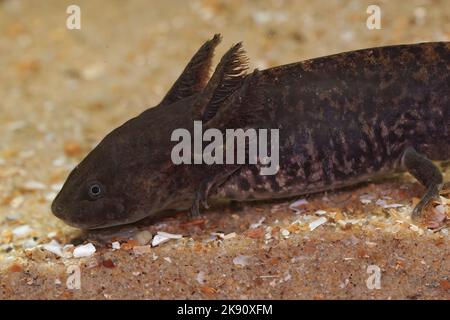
[342, 119]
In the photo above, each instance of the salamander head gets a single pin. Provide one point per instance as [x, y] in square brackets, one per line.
[97, 193]
[90, 199]
[127, 177]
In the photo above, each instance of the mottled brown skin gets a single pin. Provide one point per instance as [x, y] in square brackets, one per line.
[347, 117]
[343, 119]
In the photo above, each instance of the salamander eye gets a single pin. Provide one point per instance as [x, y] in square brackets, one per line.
[95, 190]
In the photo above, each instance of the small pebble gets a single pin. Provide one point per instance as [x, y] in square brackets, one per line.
[56, 186]
[82, 251]
[51, 234]
[50, 196]
[17, 202]
[139, 250]
[143, 237]
[257, 224]
[34, 186]
[115, 245]
[29, 244]
[229, 236]
[200, 277]
[243, 260]
[72, 149]
[59, 162]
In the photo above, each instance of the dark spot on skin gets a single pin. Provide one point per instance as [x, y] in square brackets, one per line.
[244, 184]
[274, 184]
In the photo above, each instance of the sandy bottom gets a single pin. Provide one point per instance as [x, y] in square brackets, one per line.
[63, 90]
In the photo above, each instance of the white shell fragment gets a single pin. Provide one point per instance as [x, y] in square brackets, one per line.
[243, 260]
[53, 247]
[162, 237]
[200, 277]
[22, 231]
[393, 205]
[115, 245]
[170, 235]
[29, 244]
[257, 224]
[383, 203]
[296, 204]
[157, 240]
[85, 250]
[316, 223]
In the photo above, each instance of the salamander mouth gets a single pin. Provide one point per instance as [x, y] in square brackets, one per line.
[57, 209]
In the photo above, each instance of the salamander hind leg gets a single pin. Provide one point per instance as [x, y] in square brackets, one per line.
[426, 173]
